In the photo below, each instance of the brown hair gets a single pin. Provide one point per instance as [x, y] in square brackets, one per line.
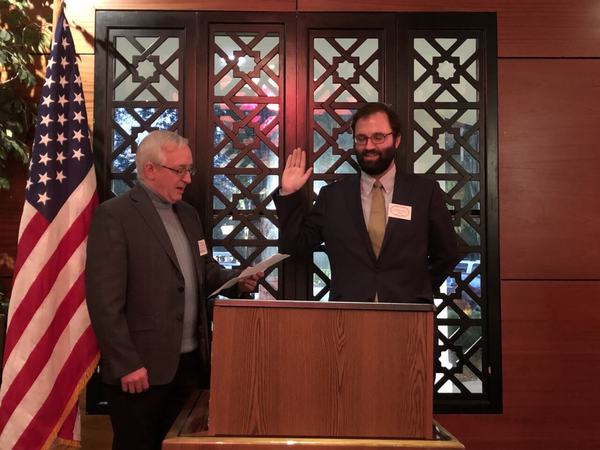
[375, 107]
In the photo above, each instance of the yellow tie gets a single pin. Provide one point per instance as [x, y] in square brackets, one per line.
[376, 227]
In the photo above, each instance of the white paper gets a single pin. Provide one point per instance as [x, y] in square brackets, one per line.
[248, 271]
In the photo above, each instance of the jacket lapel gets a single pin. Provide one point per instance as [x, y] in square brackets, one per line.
[142, 203]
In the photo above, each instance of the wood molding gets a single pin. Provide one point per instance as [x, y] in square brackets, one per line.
[525, 28]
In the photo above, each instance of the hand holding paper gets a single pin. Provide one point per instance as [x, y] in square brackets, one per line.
[252, 270]
[249, 284]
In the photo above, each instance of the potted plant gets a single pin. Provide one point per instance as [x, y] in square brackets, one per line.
[24, 33]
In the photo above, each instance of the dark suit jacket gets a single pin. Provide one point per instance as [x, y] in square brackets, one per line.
[135, 288]
[416, 255]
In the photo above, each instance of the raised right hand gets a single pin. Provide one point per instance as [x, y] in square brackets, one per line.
[135, 382]
[294, 176]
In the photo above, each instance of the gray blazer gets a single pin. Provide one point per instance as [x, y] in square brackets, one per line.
[135, 288]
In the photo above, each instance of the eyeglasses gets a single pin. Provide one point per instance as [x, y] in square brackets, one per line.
[180, 171]
[376, 138]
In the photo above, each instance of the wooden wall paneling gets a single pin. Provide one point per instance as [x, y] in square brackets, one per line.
[396, 5]
[549, 189]
[551, 358]
[538, 28]
[200, 5]
[525, 28]
[81, 14]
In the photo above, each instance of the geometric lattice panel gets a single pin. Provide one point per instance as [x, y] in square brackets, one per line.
[447, 136]
[246, 100]
[145, 85]
[445, 82]
[346, 72]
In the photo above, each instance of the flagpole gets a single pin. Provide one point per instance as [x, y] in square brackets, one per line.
[57, 5]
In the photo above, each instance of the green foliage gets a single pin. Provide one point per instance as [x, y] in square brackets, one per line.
[22, 36]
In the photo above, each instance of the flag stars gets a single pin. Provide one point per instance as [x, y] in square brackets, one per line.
[44, 178]
[45, 139]
[77, 154]
[43, 198]
[62, 100]
[77, 134]
[46, 120]
[60, 140]
[44, 158]
[47, 100]
[78, 116]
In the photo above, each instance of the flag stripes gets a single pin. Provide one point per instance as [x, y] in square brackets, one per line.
[50, 348]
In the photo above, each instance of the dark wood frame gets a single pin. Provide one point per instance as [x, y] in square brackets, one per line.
[486, 24]
[297, 25]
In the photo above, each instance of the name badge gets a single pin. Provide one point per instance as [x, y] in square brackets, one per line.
[397, 211]
[202, 247]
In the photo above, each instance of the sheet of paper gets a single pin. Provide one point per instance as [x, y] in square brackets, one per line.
[263, 265]
[248, 271]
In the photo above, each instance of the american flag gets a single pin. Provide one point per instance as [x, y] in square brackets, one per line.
[50, 348]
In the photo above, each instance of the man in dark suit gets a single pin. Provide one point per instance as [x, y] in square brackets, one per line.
[388, 235]
[148, 272]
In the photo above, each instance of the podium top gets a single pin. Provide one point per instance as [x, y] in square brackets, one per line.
[413, 307]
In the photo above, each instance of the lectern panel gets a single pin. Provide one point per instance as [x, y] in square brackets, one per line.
[300, 369]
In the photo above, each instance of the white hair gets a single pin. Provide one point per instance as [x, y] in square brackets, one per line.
[151, 148]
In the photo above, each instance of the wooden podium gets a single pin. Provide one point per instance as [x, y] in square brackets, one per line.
[321, 374]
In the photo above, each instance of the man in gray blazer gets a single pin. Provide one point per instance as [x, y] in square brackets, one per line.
[388, 235]
[148, 273]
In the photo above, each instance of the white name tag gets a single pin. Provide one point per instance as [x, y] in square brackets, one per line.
[202, 247]
[397, 211]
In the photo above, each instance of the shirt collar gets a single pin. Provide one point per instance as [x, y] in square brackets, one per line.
[386, 180]
[158, 200]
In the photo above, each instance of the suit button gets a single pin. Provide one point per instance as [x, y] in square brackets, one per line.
[179, 317]
[181, 289]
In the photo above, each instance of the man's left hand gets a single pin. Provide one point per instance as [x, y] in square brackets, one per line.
[249, 284]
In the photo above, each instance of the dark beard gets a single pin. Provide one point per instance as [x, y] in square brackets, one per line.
[378, 166]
